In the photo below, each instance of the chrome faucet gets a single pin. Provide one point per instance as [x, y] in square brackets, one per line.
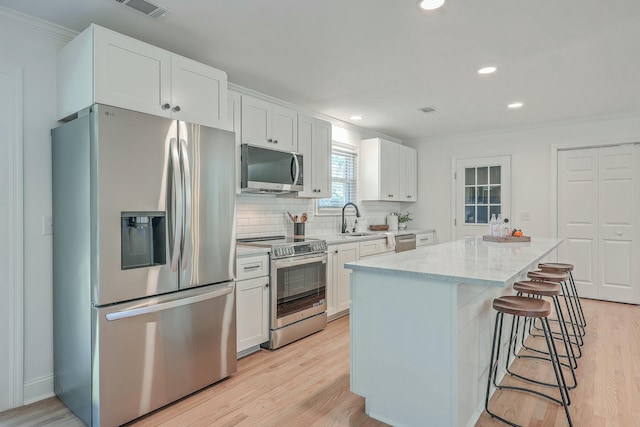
[344, 223]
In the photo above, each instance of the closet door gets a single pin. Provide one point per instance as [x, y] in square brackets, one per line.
[598, 211]
[619, 215]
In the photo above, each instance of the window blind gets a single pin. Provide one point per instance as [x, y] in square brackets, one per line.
[344, 178]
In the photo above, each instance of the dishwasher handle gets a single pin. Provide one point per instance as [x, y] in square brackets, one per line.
[154, 308]
[406, 238]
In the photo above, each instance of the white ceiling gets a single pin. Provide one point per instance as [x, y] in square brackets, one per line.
[384, 59]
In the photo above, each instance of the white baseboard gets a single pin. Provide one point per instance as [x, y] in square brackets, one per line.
[38, 389]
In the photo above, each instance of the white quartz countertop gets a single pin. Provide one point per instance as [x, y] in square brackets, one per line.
[333, 239]
[470, 260]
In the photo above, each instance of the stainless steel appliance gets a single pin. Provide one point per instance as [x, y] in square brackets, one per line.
[405, 242]
[266, 170]
[143, 262]
[298, 287]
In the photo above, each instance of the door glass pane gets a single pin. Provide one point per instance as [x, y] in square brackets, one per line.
[470, 214]
[494, 210]
[494, 175]
[483, 195]
[495, 195]
[470, 195]
[483, 176]
[469, 176]
[482, 215]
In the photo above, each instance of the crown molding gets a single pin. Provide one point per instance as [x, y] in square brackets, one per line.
[36, 25]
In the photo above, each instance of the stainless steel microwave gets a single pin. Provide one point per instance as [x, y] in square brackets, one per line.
[265, 170]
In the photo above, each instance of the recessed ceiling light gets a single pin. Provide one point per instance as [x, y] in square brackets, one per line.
[515, 105]
[487, 70]
[356, 117]
[430, 4]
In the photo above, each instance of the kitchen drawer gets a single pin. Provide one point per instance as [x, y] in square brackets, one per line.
[424, 239]
[252, 266]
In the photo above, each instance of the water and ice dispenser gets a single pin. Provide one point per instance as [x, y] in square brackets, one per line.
[144, 237]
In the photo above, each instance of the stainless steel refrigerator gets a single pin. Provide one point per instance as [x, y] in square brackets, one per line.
[143, 262]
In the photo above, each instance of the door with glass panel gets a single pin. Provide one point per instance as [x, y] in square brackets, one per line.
[482, 188]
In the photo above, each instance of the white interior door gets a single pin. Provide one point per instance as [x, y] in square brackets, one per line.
[11, 377]
[482, 188]
[598, 209]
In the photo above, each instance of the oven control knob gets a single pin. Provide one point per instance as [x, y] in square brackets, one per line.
[278, 252]
[290, 251]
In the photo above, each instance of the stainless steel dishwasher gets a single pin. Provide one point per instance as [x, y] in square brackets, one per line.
[405, 242]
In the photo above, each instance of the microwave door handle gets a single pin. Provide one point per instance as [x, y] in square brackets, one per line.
[184, 155]
[176, 201]
[297, 163]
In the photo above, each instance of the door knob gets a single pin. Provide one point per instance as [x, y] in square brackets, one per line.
[176, 108]
[165, 106]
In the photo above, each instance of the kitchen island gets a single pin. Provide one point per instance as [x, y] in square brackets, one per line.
[421, 327]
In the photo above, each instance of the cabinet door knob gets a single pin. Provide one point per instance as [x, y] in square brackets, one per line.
[275, 141]
[165, 106]
[266, 285]
[269, 140]
[176, 108]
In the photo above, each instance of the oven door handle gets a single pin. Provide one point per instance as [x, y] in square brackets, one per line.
[281, 263]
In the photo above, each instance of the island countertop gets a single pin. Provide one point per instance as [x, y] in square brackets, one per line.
[470, 260]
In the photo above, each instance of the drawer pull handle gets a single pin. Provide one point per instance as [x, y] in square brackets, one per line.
[252, 267]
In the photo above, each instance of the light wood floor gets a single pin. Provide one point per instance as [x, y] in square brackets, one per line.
[307, 384]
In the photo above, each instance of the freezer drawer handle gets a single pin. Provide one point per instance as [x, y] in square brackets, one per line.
[167, 305]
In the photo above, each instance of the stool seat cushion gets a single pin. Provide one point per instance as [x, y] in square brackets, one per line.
[522, 306]
[545, 289]
[558, 267]
[548, 276]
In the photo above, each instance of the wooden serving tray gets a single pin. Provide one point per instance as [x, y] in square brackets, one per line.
[510, 239]
[383, 227]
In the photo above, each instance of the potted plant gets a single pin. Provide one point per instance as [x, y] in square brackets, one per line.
[403, 219]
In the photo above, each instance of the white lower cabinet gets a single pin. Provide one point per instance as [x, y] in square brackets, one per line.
[372, 248]
[338, 277]
[424, 239]
[252, 302]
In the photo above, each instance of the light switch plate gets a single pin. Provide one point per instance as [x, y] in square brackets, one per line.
[525, 216]
[47, 225]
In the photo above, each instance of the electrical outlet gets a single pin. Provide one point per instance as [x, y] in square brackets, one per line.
[525, 216]
[47, 225]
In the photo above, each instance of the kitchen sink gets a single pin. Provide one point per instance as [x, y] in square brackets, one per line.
[359, 234]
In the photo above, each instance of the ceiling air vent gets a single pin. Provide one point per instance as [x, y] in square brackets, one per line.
[143, 6]
[427, 110]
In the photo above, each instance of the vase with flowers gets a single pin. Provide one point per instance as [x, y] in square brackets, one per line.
[403, 219]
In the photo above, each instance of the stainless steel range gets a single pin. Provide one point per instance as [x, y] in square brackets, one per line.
[298, 287]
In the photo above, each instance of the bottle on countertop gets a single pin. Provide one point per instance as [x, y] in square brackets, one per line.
[497, 227]
[492, 224]
[504, 228]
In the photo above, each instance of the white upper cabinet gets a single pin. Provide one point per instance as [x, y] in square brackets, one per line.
[407, 174]
[314, 143]
[268, 125]
[387, 171]
[102, 66]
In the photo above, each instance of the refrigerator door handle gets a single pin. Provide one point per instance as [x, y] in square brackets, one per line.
[124, 314]
[184, 154]
[177, 202]
[295, 159]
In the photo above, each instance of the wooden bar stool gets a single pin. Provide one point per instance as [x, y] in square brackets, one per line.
[538, 290]
[528, 308]
[558, 267]
[562, 279]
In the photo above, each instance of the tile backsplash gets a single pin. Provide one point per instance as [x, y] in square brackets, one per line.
[262, 215]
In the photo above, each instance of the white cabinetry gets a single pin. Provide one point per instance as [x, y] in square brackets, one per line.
[314, 143]
[252, 301]
[424, 238]
[268, 125]
[371, 248]
[387, 171]
[105, 67]
[407, 174]
[338, 277]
